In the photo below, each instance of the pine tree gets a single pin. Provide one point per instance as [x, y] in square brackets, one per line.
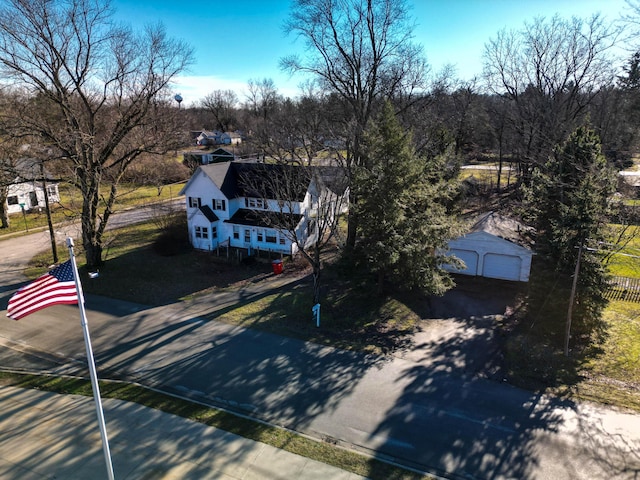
[569, 200]
[404, 215]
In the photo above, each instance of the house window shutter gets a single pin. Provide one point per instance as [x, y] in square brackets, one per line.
[224, 207]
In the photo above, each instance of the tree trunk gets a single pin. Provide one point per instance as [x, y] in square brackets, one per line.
[91, 240]
[316, 284]
[352, 221]
[4, 217]
[380, 282]
[4, 211]
[93, 255]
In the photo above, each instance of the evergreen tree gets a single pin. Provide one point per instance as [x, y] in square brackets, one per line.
[404, 212]
[569, 200]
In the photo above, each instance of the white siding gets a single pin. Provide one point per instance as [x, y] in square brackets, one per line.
[24, 193]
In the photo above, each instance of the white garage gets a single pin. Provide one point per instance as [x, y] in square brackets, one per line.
[491, 249]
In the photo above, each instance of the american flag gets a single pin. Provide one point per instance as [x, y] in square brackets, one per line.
[53, 288]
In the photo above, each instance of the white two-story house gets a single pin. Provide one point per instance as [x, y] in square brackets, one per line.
[224, 207]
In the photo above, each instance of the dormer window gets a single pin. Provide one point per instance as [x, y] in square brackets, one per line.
[254, 203]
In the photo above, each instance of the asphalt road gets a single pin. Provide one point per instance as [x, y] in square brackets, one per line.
[431, 408]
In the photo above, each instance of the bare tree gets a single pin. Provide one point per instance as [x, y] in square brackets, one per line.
[550, 70]
[362, 50]
[296, 131]
[262, 97]
[222, 105]
[95, 93]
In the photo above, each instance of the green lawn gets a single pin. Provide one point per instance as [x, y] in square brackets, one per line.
[612, 375]
[626, 263]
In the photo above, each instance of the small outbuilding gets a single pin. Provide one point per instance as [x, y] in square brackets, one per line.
[26, 191]
[495, 247]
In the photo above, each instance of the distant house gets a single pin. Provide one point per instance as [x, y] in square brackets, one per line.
[223, 211]
[207, 137]
[205, 158]
[26, 191]
[494, 247]
[221, 155]
[229, 138]
[216, 137]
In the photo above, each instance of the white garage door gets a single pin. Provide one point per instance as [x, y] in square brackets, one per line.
[505, 267]
[470, 259]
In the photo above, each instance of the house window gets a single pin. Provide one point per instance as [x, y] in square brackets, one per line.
[282, 238]
[254, 203]
[52, 190]
[202, 232]
[260, 235]
[219, 204]
[214, 231]
[236, 233]
[194, 202]
[271, 236]
[247, 235]
[12, 200]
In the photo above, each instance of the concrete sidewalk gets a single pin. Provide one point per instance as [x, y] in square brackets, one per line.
[51, 436]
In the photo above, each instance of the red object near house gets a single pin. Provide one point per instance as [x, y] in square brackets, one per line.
[277, 266]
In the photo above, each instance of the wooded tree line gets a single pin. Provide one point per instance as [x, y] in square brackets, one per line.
[95, 97]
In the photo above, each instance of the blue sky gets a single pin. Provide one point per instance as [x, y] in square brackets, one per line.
[235, 41]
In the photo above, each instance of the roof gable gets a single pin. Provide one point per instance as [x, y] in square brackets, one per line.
[502, 227]
[475, 240]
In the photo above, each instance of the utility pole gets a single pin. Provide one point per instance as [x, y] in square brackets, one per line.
[574, 285]
[52, 235]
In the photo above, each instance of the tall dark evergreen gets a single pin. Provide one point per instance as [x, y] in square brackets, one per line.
[569, 202]
[404, 213]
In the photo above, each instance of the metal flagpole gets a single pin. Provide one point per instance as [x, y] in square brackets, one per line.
[90, 361]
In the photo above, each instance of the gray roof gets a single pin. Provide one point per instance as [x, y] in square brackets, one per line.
[264, 219]
[207, 212]
[28, 170]
[503, 227]
[237, 179]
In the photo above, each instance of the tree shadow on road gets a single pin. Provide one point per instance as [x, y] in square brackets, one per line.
[475, 424]
[250, 371]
